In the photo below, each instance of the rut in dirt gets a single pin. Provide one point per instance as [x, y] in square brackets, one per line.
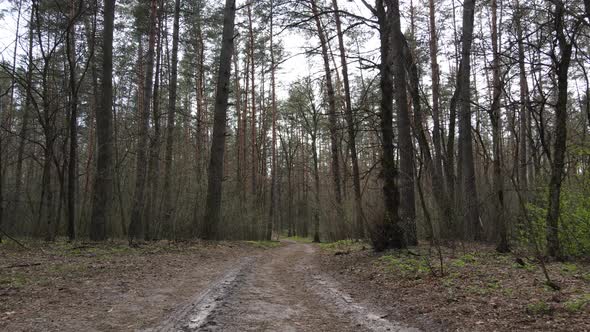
[278, 291]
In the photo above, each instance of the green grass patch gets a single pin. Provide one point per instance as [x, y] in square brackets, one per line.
[538, 308]
[405, 265]
[264, 244]
[344, 246]
[299, 239]
[14, 280]
[577, 304]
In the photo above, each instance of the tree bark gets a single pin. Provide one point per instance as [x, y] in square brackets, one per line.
[332, 118]
[273, 185]
[73, 125]
[103, 181]
[171, 125]
[470, 202]
[214, 190]
[406, 148]
[496, 120]
[389, 233]
[351, 130]
[559, 148]
[136, 226]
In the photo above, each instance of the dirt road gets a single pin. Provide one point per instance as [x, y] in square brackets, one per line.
[279, 290]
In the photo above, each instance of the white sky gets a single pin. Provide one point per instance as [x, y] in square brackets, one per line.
[295, 43]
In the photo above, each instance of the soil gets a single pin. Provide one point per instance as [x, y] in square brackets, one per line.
[479, 289]
[291, 286]
[109, 287]
[280, 290]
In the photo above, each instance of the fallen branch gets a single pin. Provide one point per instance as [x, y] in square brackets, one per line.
[21, 265]
[13, 239]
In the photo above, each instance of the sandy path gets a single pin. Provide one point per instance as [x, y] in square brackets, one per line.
[278, 291]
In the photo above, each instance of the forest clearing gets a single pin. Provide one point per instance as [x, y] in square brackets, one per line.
[294, 165]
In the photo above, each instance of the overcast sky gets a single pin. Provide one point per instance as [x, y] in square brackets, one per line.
[295, 44]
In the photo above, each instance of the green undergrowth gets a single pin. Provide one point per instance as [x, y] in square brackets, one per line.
[299, 239]
[264, 244]
[539, 308]
[13, 280]
[577, 303]
[344, 246]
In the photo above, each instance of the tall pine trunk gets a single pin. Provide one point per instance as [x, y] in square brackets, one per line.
[332, 117]
[214, 189]
[559, 148]
[103, 181]
[470, 202]
[171, 125]
[351, 130]
[136, 226]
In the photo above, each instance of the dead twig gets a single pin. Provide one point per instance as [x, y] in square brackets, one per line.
[21, 265]
[13, 239]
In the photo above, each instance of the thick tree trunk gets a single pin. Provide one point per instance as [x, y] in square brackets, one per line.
[103, 182]
[73, 155]
[559, 148]
[406, 148]
[136, 226]
[214, 189]
[389, 234]
[470, 201]
[171, 125]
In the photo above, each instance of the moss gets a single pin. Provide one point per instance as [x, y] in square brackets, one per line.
[14, 280]
[569, 267]
[538, 308]
[406, 266]
[508, 291]
[527, 267]
[300, 239]
[577, 304]
[458, 263]
[344, 245]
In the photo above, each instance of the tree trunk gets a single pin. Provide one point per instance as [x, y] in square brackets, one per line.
[73, 157]
[136, 228]
[24, 130]
[496, 120]
[214, 190]
[253, 146]
[524, 103]
[273, 186]
[559, 148]
[389, 234]
[332, 118]
[470, 202]
[171, 125]
[406, 148]
[152, 211]
[351, 130]
[103, 181]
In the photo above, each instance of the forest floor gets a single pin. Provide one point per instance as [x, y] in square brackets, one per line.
[287, 286]
[478, 290]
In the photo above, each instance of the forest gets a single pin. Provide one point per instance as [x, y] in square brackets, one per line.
[377, 142]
